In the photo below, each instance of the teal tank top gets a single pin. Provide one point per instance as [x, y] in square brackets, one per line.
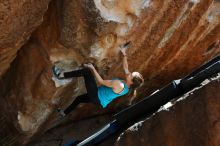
[106, 94]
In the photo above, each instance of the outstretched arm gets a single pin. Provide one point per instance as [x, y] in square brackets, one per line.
[128, 76]
[123, 50]
[125, 64]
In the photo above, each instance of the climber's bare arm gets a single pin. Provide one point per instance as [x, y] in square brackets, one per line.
[125, 61]
[100, 80]
[126, 70]
[125, 64]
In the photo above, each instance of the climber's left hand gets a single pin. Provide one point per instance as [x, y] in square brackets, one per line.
[89, 65]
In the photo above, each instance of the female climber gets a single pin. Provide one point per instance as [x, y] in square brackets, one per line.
[108, 89]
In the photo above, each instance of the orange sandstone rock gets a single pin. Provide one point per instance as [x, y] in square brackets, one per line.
[169, 39]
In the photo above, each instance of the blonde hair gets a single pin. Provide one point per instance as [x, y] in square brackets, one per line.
[138, 81]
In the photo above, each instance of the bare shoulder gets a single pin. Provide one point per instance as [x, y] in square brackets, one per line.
[117, 84]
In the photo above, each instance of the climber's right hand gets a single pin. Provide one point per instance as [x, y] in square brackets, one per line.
[123, 51]
[124, 47]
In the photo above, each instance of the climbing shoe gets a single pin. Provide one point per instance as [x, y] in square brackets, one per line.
[57, 72]
[61, 112]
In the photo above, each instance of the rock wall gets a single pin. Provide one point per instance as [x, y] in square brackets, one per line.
[169, 39]
[18, 19]
[193, 120]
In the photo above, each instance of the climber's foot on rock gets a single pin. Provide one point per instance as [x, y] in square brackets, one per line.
[58, 73]
[61, 112]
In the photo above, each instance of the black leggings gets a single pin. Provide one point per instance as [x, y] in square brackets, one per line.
[91, 87]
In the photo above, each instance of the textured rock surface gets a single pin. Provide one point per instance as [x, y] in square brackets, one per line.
[18, 19]
[169, 39]
[193, 121]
